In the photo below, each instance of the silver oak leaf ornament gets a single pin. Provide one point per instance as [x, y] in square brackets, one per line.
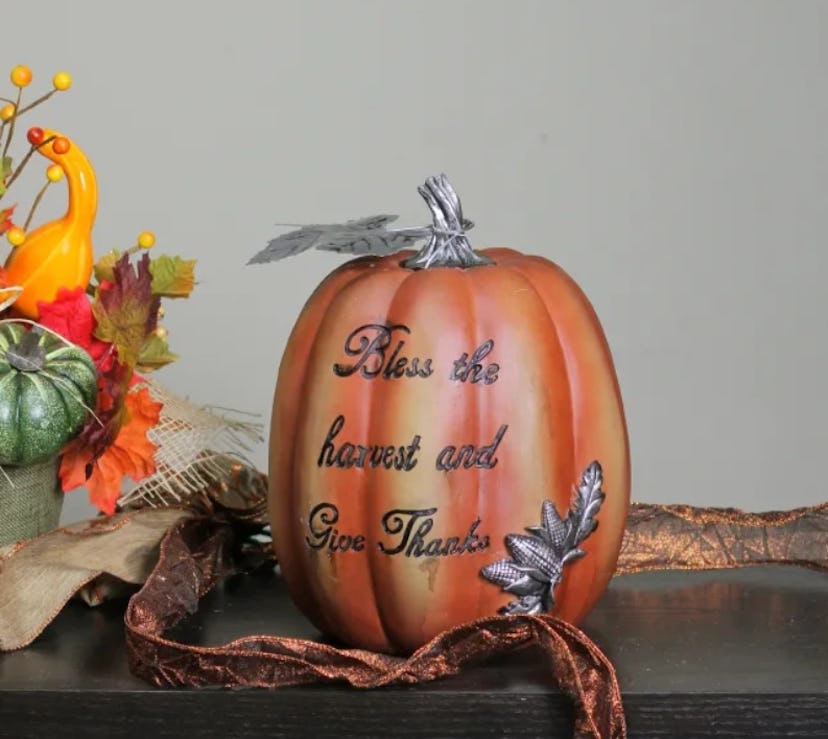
[366, 236]
[361, 236]
[538, 558]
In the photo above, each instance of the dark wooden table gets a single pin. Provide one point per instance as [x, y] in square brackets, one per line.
[734, 653]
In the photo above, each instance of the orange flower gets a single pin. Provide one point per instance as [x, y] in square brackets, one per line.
[132, 453]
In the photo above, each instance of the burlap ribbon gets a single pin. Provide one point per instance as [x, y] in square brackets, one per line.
[39, 576]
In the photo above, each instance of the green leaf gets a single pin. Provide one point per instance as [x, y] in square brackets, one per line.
[5, 170]
[172, 277]
[155, 354]
[105, 266]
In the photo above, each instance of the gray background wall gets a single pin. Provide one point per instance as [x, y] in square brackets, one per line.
[672, 156]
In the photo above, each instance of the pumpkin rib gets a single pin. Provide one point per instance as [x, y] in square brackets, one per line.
[9, 414]
[10, 334]
[374, 498]
[480, 498]
[514, 266]
[477, 430]
[370, 495]
[575, 313]
[414, 304]
[314, 312]
[284, 415]
[66, 377]
[66, 386]
[361, 293]
[550, 432]
[46, 399]
[561, 502]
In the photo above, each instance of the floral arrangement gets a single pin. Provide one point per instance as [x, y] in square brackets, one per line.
[109, 306]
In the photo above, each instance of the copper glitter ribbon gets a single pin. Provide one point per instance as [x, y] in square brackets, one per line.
[194, 556]
[198, 552]
[681, 537]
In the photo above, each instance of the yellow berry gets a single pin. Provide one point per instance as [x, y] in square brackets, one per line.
[21, 76]
[54, 173]
[146, 239]
[62, 81]
[161, 312]
[16, 235]
[161, 332]
[7, 112]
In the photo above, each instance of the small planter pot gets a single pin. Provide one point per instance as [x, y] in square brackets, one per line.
[30, 500]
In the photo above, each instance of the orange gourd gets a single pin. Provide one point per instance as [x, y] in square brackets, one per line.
[58, 253]
[424, 412]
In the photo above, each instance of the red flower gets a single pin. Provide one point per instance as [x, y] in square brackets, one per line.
[70, 315]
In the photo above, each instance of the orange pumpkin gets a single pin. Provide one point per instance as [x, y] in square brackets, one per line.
[422, 415]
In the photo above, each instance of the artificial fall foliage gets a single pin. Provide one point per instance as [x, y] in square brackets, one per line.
[102, 429]
[155, 354]
[5, 171]
[114, 317]
[127, 316]
[130, 453]
[126, 311]
[6, 219]
[172, 277]
[118, 327]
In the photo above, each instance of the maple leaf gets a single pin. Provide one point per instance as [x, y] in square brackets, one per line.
[126, 311]
[6, 219]
[172, 277]
[105, 267]
[101, 430]
[155, 354]
[131, 454]
[70, 315]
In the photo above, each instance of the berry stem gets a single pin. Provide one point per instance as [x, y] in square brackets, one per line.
[11, 126]
[35, 204]
[41, 99]
[25, 161]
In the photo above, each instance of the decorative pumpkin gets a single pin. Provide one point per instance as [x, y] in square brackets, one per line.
[47, 388]
[58, 253]
[433, 413]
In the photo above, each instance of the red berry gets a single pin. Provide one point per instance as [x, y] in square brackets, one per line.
[35, 136]
[61, 145]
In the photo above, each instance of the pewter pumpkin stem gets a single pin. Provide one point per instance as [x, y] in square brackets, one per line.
[448, 245]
